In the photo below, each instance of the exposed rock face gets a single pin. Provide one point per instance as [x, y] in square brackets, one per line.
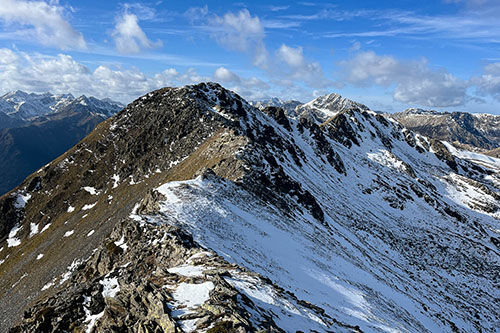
[480, 131]
[191, 210]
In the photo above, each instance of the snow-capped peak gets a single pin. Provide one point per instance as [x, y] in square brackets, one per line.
[324, 107]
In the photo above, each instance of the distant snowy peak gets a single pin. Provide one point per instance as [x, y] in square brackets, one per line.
[417, 111]
[288, 105]
[105, 107]
[25, 106]
[324, 107]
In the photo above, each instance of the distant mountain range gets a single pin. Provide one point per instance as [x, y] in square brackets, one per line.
[36, 128]
[287, 105]
[480, 132]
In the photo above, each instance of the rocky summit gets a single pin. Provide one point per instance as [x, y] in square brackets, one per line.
[193, 211]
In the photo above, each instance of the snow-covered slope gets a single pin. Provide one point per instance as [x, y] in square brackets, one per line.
[373, 227]
[406, 242]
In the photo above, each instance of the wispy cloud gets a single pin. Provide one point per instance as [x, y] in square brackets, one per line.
[475, 27]
[238, 31]
[280, 24]
[278, 8]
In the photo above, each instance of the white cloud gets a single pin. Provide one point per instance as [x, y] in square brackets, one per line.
[63, 74]
[250, 88]
[241, 32]
[415, 82]
[224, 75]
[489, 82]
[41, 22]
[297, 68]
[128, 35]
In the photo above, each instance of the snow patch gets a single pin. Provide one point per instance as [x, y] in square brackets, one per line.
[89, 206]
[91, 190]
[22, 200]
[110, 287]
[90, 318]
[33, 229]
[69, 233]
[121, 243]
[12, 241]
[69, 270]
[188, 270]
[116, 180]
[45, 227]
[192, 295]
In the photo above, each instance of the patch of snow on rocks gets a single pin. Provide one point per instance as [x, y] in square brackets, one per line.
[89, 206]
[110, 287]
[45, 227]
[21, 200]
[12, 241]
[33, 229]
[192, 295]
[91, 190]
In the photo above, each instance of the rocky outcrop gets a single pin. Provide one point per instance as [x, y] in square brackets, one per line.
[148, 278]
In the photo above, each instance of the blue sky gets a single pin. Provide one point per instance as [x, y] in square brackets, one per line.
[390, 55]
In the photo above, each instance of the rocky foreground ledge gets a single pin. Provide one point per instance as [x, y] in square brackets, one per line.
[150, 278]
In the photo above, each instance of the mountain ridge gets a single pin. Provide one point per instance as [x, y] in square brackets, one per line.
[471, 131]
[372, 226]
[27, 106]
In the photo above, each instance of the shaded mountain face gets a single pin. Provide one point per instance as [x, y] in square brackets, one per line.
[481, 131]
[191, 210]
[7, 121]
[26, 145]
